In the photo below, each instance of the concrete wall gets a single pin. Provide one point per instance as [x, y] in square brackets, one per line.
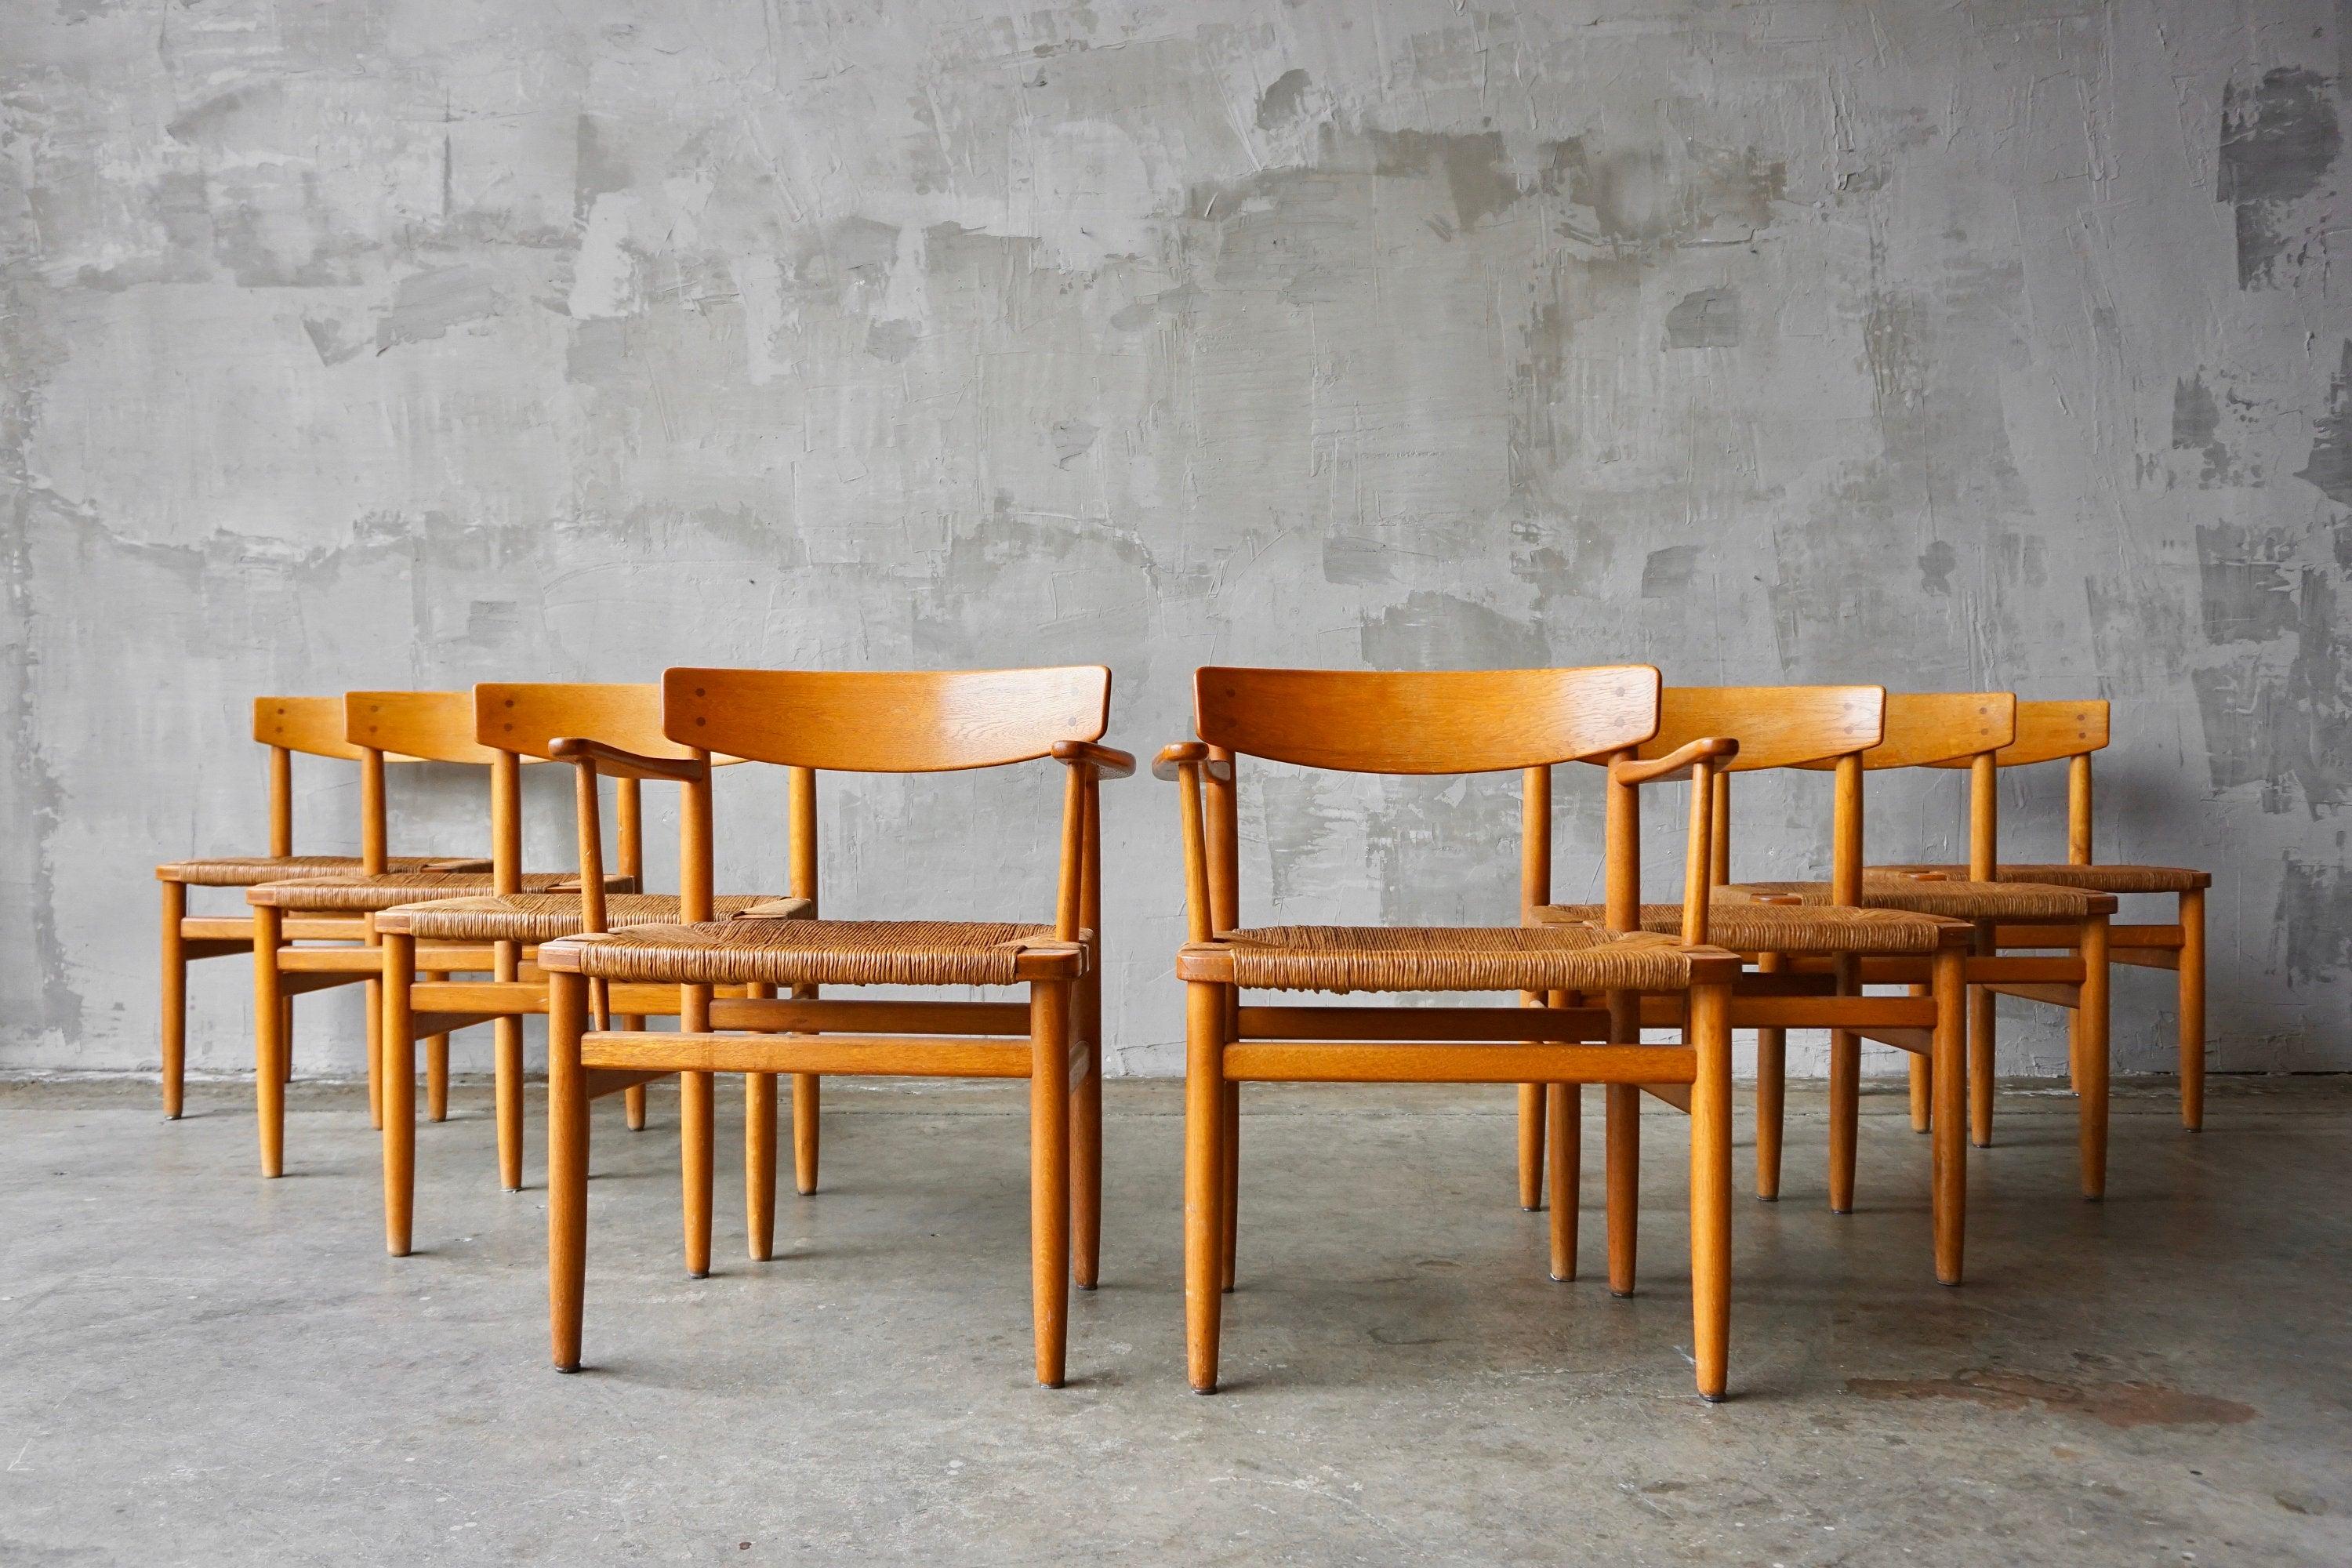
[1997, 343]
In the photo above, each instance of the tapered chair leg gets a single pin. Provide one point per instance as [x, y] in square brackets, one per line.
[436, 1071]
[1845, 1116]
[1531, 1146]
[759, 1165]
[1771, 1096]
[373, 987]
[1922, 1090]
[2090, 1033]
[1564, 1110]
[2191, 998]
[506, 1074]
[806, 1124]
[567, 1167]
[1983, 1038]
[286, 1040]
[174, 997]
[507, 1089]
[633, 1099]
[1085, 1162]
[1710, 1183]
[399, 1094]
[268, 1082]
[1229, 1197]
[1948, 1155]
[1049, 1175]
[1205, 1166]
[696, 1132]
[1622, 1172]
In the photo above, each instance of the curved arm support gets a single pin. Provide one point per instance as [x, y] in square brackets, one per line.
[1107, 762]
[1677, 764]
[615, 763]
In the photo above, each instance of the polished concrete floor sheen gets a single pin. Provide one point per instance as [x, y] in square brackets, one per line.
[200, 1367]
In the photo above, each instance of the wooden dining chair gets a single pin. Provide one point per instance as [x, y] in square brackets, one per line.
[312, 726]
[622, 726]
[809, 722]
[429, 726]
[1781, 727]
[2072, 730]
[1458, 721]
[1932, 729]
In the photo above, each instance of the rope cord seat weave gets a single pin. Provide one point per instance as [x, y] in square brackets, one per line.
[1745, 926]
[2097, 879]
[788, 952]
[1454, 957]
[1956, 899]
[543, 917]
[246, 870]
[365, 895]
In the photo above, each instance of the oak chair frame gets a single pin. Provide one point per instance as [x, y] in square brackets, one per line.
[2070, 731]
[310, 726]
[1955, 730]
[904, 722]
[1446, 722]
[422, 726]
[1801, 727]
[580, 723]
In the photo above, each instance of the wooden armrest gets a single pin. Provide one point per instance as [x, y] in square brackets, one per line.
[1106, 761]
[1171, 758]
[620, 764]
[1675, 765]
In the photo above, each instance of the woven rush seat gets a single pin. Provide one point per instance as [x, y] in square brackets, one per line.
[247, 870]
[1452, 957]
[1953, 898]
[760, 949]
[2097, 878]
[543, 917]
[367, 895]
[1745, 926]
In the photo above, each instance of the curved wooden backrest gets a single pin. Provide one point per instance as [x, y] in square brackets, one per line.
[886, 722]
[2048, 730]
[1927, 729]
[1776, 726]
[312, 725]
[526, 716]
[1425, 721]
[431, 726]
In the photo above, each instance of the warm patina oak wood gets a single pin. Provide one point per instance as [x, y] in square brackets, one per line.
[1448, 721]
[2070, 731]
[809, 722]
[614, 729]
[1745, 729]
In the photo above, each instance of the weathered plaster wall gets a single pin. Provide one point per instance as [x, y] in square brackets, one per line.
[1991, 343]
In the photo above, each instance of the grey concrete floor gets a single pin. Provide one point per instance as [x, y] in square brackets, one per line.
[203, 1367]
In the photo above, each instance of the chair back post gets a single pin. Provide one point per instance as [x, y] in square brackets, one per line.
[1621, 853]
[1719, 829]
[373, 854]
[800, 833]
[505, 823]
[1222, 802]
[281, 801]
[589, 827]
[1198, 922]
[2078, 809]
[630, 806]
[694, 850]
[1698, 853]
[1847, 831]
[1070, 884]
[1535, 838]
[1984, 818]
